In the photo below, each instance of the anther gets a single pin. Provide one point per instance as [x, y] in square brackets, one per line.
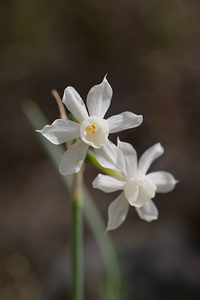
[91, 128]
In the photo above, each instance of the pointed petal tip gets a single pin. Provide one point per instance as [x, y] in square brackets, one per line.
[160, 147]
[65, 173]
[118, 141]
[68, 88]
[174, 183]
[37, 130]
[67, 92]
[69, 171]
[109, 229]
[152, 219]
[62, 172]
[94, 183]
[135, 204]
[140, 119]
[105, 77]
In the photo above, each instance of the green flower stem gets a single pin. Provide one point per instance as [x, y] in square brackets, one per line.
[113, 284]
[90, 158]
[77, 237]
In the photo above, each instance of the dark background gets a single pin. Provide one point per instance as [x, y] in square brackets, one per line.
[151, 52]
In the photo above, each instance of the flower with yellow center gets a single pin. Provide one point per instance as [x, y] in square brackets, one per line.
[92, 130]
[138, 188]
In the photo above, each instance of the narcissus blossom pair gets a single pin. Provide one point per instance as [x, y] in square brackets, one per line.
[93, 130]
[138, 187]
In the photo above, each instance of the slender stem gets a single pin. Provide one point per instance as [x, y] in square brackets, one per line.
[61, 108]
[113, 288]
[77, 237]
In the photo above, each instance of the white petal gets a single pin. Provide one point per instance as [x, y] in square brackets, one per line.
[61, 131]
[73, 158]
[164, 181]
[148, 157]
[124, 121]
[99, 98]
[130, 157]
[109, 156]
[117, 212]
[148, 211]
[108, 184]
[74, 103]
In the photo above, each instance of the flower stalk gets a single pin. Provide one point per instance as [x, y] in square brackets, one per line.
[77, 237]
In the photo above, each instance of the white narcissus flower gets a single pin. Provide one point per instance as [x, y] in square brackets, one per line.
[138, 188]
[93, 130]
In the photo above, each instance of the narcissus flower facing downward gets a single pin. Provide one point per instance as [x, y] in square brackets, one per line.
[93, 130]
[138, 188]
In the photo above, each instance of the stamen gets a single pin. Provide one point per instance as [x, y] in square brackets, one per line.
[91, 128]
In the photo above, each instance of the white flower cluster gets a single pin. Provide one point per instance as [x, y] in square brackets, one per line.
[138, 188]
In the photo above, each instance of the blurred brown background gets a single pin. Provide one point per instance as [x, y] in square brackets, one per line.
[151, 52]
